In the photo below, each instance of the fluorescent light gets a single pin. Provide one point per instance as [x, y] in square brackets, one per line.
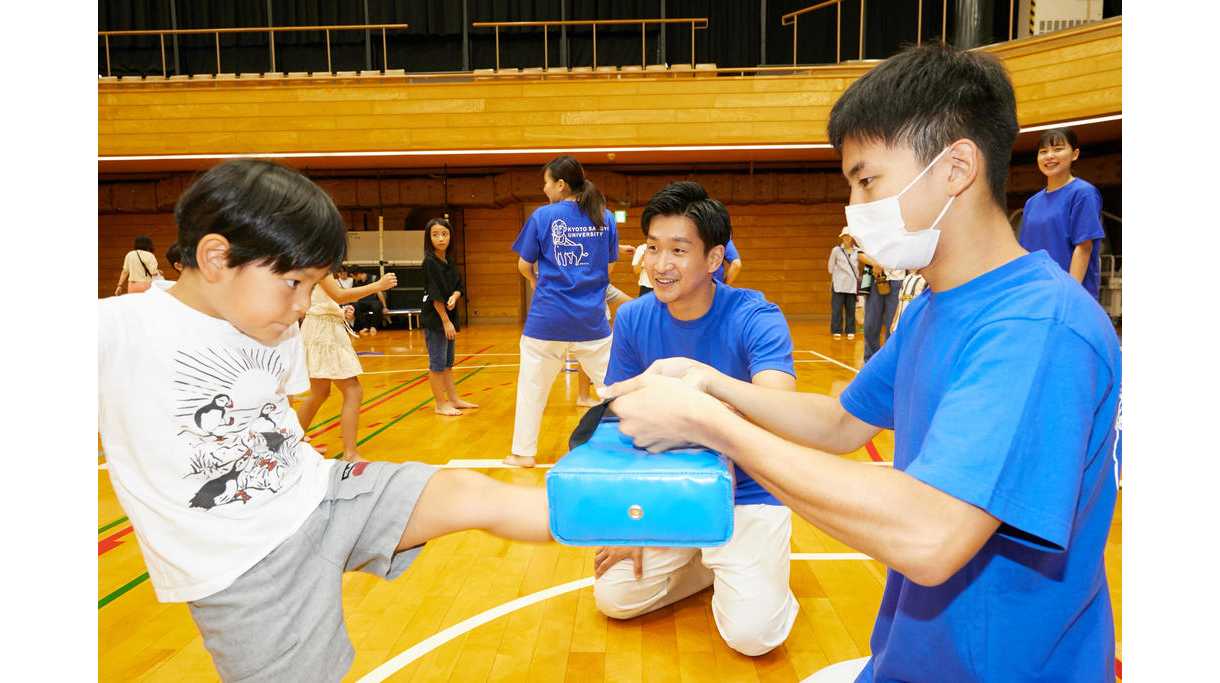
[620, 216]
[1069, 124]
[469, 152]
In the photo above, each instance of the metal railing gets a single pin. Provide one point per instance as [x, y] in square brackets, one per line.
[791, 18]
[695, 23]
[270, 30]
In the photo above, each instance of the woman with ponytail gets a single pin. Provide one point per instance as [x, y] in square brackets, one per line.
[573, 240]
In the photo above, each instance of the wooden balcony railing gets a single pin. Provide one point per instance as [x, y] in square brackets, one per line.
[790, 19]
[695, 23]
[271, 30]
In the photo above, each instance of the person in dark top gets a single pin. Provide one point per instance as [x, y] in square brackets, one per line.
[370, 310]
[442, 289]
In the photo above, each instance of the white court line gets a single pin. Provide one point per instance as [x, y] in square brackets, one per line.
[423, 647]
[845, 366]
[488, 464]
[815, 360]
[456, 367]
[374, 354]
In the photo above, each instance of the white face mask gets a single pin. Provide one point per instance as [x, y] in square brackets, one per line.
[880, 231]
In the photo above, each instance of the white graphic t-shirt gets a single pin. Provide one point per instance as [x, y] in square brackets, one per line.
[203, 449]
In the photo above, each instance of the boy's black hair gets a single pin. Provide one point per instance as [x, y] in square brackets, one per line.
[429, 250]
[272, 215]
[143, 243]
[688, 198]
[1056, 136]
[927, 97]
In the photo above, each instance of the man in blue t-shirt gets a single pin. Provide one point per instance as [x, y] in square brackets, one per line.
[746, 337]
[1001, 385]
[1064, 219]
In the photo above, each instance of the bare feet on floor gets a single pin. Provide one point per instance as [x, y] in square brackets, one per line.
[447, 409]
[518, 460]
[464, 404]
[352, 457]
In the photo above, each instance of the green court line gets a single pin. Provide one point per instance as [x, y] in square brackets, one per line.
[417, 406]
[121, 590]
[112, 525]
[366, 402]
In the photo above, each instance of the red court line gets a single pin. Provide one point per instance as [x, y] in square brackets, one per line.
[872, 451]
[414, 384]
[1118, 667]
[112, 541]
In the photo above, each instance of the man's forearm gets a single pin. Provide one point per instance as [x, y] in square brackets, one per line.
[884, 513]
[806, 418]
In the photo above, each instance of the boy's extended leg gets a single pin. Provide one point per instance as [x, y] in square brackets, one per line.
[753, 606]
[456, 500]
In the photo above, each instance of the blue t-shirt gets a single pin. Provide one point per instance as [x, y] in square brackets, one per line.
[1058, 221]
[573, 257]
[741, 335]
[1003, 393]
[730, 255]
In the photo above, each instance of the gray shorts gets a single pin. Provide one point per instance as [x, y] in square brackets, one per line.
[283, 619]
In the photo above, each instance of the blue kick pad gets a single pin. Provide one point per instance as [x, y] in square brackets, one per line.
[608, 492]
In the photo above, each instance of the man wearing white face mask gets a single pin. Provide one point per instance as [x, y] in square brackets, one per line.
[1001, 386]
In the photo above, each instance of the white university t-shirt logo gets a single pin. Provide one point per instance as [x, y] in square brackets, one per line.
[561, 240]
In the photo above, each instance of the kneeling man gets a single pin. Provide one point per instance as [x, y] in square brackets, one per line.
[744, 336]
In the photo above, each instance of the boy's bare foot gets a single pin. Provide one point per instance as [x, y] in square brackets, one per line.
[446, 409]
[586, 402]
[518, 460]
[372, 331]
[464, 404]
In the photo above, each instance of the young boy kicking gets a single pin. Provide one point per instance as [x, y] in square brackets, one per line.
[234, 513]
[745, 336]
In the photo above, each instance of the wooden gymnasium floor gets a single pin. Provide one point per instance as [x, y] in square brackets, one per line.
[560, 636]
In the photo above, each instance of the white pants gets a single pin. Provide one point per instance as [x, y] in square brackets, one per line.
[541, 361]
[752, 602]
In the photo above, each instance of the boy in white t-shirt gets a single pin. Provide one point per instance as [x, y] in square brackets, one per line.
[235, 514]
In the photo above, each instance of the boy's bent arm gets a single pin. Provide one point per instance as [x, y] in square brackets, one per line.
[919, 531]
[527, 271]
[814, 420]
[457, 500]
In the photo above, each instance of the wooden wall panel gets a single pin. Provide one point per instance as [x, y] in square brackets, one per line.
[1071, 74]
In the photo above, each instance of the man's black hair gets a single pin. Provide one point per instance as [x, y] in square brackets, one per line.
[687, 198]
[272, 215]
[143, 243]
[1057, 136]
[926, 98]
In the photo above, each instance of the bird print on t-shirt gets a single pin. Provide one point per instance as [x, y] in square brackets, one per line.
[235, 415]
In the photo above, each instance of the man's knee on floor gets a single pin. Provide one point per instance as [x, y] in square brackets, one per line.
[619, 599]
[750, 637]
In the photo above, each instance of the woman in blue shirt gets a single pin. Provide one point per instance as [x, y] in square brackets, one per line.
[1064, 219]
[573, 241]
